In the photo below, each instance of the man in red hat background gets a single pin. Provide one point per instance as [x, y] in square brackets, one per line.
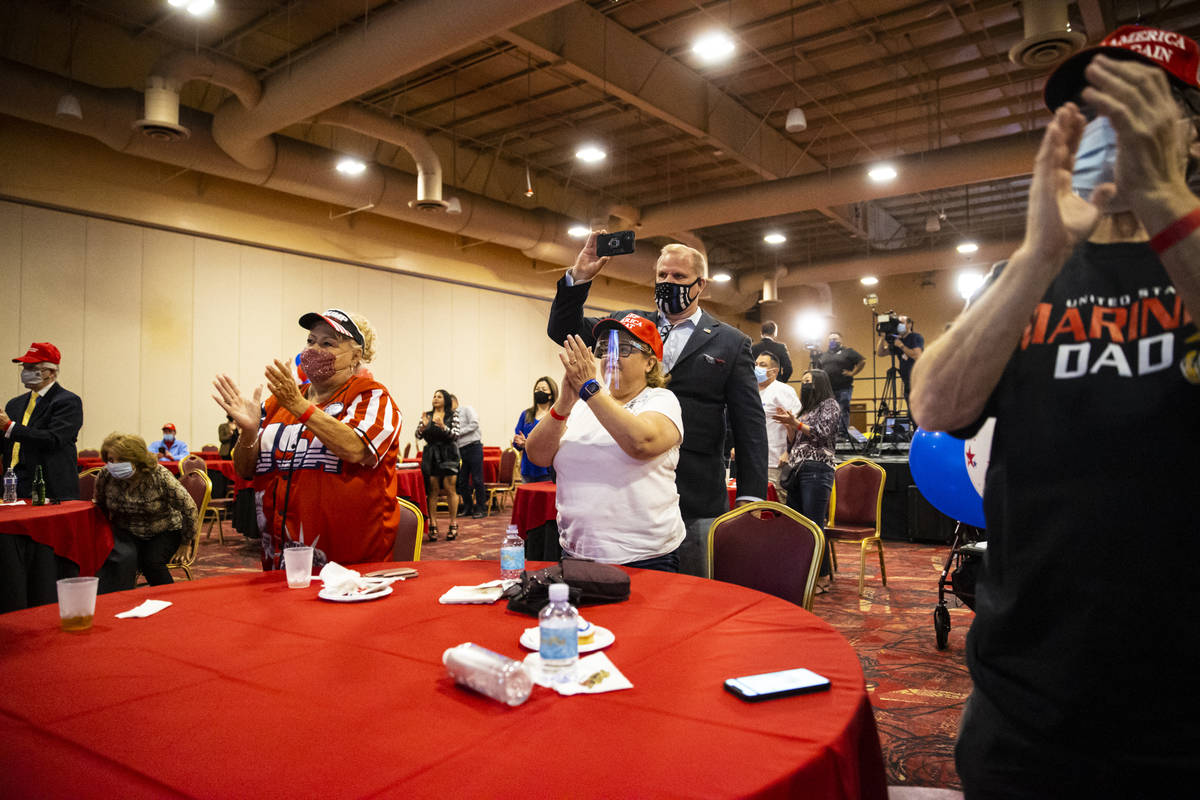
[1082, 347]
[168, 448]
[41, 426]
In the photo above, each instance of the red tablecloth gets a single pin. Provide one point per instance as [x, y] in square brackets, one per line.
[772, 495]
[491, 463]
[89, 463]
[412, 484]
[75, 529]
[533, 506]
[245, 687]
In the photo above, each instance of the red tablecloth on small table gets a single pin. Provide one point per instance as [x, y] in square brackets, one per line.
[772, 495]
[243, 665]
[74, 529]
[533, 506]
[410, 483]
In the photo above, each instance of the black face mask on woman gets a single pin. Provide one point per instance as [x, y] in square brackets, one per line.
[806, 395]
[541, 398]
[673, 298]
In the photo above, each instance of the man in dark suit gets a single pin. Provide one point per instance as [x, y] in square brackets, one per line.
[711, 372]
[40, 426]
[768, 344]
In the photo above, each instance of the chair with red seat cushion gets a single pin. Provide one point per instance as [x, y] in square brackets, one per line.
[768, 547]
[854, 510]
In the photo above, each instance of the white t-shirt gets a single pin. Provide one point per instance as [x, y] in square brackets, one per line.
[614, 508]
[777, 394]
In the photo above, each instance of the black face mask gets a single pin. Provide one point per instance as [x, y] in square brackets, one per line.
[806, 394]
[673, 298]
[541, 398]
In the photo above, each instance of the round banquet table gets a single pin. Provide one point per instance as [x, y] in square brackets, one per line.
[245, 687]
[411, 484]
[74, 530]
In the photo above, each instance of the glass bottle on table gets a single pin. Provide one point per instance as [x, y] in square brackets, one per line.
[39, 487]
[558, 635]
[512, 555]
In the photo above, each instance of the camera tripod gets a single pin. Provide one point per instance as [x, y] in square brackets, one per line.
[889, 406]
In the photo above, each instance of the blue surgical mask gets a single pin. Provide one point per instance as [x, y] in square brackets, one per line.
[168, 438]
[119, 469]
[1096, 160]
[901, 329]
[834, 345]
[760, 374]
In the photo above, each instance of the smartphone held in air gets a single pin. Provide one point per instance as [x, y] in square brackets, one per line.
[770, 685]
[617, 243]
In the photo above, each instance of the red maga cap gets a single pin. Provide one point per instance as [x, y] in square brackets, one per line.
[641, 329]
[338, 320]
[38, 353]
[1173, 53]
[168, 426]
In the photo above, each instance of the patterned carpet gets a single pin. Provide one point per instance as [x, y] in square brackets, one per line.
[917, 691]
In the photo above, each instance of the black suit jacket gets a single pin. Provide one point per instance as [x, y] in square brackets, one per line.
[780, 351]
[49, 440]
[712, 375]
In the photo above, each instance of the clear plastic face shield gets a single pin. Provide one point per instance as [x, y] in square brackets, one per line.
[612, 361]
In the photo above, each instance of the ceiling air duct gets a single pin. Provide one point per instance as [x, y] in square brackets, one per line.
[161, 116]
[1048, 35]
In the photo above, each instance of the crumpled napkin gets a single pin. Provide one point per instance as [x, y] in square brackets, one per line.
[145, 609]
[339, 580]
[593, 674]
[488, 592]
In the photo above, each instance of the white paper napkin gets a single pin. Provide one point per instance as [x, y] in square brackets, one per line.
[488, 592]
[145, 609]
[593, 674]
[339, 580]
[14, 503]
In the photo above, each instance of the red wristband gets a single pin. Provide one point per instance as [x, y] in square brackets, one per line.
[1176, 232]
[555, 414]
[308, 412]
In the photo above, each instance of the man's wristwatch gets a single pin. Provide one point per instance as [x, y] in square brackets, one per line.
[588, 390]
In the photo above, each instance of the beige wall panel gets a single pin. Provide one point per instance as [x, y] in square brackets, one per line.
[339, 285]
[302, 293]
[168, 267]
[491, 398]
[406, 343]
[375, 303]
[437, 355]
[465, 382]
[10, 290]
[112, 324]
[262, 316]
[216, 313]
[52, 269]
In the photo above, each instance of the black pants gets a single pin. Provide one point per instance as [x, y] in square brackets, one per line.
[131, 555]
[28, 571]
[470, 478]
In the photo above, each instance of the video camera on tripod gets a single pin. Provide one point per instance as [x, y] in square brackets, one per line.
[888, 324]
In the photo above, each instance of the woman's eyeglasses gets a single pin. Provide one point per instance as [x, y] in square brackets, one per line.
[624, 350]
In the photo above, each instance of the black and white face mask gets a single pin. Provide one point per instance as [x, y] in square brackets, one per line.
[673, 298]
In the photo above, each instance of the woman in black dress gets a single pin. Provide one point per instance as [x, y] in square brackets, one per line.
[439, 460]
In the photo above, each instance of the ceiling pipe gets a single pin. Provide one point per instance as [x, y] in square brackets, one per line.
[387, 129]
[160, 118]
[392, 43]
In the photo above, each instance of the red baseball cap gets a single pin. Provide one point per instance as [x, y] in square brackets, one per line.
[38, 353]
[1173, 53]
[168, 426]
[638, 326]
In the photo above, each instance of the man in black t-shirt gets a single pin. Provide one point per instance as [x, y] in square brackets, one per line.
[841, 364]
[907, 345]
[1082, 348]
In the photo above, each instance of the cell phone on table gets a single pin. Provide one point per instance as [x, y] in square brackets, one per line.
[618, 243]
[769, 685]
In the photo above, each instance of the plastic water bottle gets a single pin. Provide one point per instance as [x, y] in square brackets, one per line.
[558, 632]
[10, 486]
[512, 555]
[499, 677]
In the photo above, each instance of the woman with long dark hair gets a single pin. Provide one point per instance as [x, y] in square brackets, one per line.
[545, 393]
[439, 460]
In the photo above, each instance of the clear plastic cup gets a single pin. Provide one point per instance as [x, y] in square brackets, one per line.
[298, 563]
[76, 603]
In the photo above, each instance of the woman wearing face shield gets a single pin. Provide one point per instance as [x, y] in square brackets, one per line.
[149, 510]
[615, 448]
[322, 455]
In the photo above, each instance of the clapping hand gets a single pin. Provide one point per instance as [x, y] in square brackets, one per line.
[786, 417]
[579, 363]
[283, 385]
[519, 440]
[244, 411]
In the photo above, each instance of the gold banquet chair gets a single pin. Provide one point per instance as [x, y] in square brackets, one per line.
[87, 483]
[855, 507]
[769, 547]
[506, 483]
[200, 488]
[410, 533]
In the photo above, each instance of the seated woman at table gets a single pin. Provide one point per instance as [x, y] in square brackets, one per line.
[439, 460]
[150, 512]
[545, 393]
[615, 453]
[322, 454]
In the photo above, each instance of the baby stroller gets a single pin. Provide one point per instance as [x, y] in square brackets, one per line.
[959, 574]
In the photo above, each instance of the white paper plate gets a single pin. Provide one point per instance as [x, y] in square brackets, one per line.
[324, 594]
[532, 639]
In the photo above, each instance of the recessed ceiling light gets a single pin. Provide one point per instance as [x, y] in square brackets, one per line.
[966, 248]
[578, 231]
[774, 238]
[713, 47]
[199, 8]
[721, 277]
[590, 154]
[177, 3]
[351, 166]
[868, 280]
[882, 173]
[969, 283]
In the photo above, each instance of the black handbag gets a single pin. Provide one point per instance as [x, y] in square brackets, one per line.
[589, 584]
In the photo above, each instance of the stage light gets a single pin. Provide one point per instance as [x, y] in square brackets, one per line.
[590, 154]
[812, 326]
[351, 166]
[774, 238]
[868, 280]
[882, 173]
[969, 283]
[713, 47]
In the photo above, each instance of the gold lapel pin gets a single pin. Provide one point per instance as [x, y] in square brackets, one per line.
[708, 330]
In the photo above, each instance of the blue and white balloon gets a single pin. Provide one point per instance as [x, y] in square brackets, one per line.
[950, 472]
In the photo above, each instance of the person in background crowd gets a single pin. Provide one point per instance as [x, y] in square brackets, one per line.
[150, 512]
[168, 448]
[712, 374]
[615, 450]
[324, 454]
[41, 426]
[439, 460]
[907, 345]
[769, 344]
[545, 394]
[841, 364]
[470, 483]
[776, 396]
[227, 435]
[1081, 346]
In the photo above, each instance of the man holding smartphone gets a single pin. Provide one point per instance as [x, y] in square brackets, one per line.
[711, 372]
[1082, 348]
